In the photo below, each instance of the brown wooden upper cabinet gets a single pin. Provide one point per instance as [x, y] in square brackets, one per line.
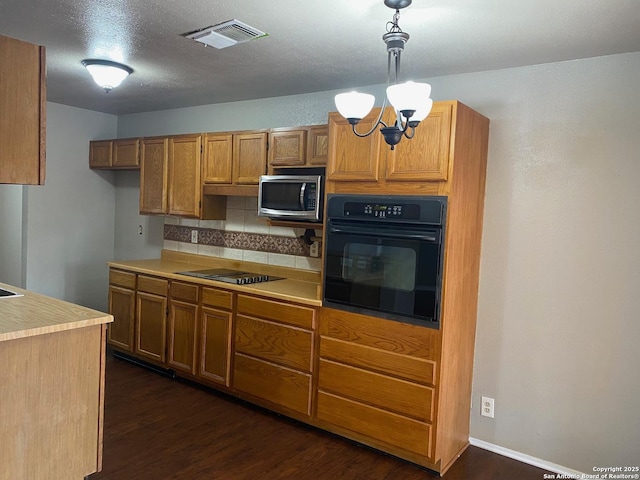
[170, 179]
[235, 158]
[424, 159]
[122, 154]
[22, 112]
[298, 146]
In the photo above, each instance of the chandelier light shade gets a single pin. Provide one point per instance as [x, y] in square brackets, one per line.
[107, 74]
[410, 100]
[354, 105]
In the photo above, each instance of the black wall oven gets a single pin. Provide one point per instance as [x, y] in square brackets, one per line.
[384, 256]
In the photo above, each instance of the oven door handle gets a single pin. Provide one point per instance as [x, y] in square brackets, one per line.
[399, 234]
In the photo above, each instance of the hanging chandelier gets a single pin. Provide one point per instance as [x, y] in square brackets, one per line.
[410, 100]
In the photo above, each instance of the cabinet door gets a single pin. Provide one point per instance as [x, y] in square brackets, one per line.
[182, 336]
[318, 145]
[151, 322]
[215, 345]
[287, 147]
[100, 153]
[185, 187]
[153, 175]
[122, 306]
[426, 156]
[249, 158]
[22, 112]
[126, 153]
[218, 158]
[353, 158]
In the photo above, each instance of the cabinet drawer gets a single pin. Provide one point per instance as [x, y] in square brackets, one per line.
[384, 426]
[154, 285]
[274, 342]
[410, 368]
[277, 311]
[186, 292]
[387, 335]
[388, 393]
[217, 298]
[122, 279]
[273, 383]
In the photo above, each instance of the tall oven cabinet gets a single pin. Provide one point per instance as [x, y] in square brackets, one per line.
[399, 387]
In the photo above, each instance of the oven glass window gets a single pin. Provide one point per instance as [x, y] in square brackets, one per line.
[382, 266]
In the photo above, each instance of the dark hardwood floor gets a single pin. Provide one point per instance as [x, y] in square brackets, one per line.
[157, 428]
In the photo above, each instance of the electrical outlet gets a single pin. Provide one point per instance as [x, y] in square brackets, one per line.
[194, 236]
[314, 249]
[487, 407]
[139, 229]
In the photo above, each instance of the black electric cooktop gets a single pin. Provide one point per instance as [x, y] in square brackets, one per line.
[238, 277]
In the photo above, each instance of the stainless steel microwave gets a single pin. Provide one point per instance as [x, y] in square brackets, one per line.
[291, 197]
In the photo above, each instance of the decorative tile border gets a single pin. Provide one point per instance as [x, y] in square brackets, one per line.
[258, 242]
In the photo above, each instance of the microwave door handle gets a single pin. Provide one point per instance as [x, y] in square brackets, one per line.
[394, 234]
[303, 187]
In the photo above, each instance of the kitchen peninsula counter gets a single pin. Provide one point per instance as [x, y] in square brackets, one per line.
[296, 286]
[52, 381]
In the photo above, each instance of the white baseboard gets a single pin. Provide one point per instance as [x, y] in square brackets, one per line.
[524, 458]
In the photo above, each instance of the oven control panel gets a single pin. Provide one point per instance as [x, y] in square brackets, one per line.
[409, 211]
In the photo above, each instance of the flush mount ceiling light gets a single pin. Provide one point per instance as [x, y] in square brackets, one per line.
[410, 100]
[225, 34]
[107, 74]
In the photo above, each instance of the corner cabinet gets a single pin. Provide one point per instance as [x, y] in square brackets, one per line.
[120, 154]
[22, 112]
[170, 179]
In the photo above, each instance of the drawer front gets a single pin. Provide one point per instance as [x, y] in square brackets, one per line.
[410, 368]
[296, 315]
[388, 393]
[157, 286]
[214, 297]
[388, 335]
[273, 383]
[378, 424]
[187, 292]
[276, 343]
[122, 278]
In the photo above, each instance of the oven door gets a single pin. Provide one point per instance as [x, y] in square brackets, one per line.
[389, 271]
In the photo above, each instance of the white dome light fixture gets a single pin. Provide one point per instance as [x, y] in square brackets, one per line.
[107, 74]
[410, 100]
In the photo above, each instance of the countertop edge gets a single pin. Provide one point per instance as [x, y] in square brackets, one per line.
[61, 327]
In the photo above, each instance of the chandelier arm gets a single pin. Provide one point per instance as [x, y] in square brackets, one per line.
[375, 125]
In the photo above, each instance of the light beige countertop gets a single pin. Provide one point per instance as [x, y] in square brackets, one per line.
[34, 314]
[297, 286]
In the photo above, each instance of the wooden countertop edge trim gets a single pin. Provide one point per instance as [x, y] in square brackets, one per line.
[60, 327]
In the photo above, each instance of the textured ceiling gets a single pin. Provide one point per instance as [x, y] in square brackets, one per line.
[313, 45]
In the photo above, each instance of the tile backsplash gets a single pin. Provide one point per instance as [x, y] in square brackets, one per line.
[242, 236]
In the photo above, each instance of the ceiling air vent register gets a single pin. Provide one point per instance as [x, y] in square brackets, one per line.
[226, 34]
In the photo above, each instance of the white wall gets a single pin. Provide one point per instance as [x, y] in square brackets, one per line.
[11, 238]
[558, 312]
[70, 220]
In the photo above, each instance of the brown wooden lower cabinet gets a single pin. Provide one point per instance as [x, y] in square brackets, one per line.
[216, 317]
[215, 345]
[376, 423]
[122, 304]
[182, 326]
[274, 383]
[372, 380]
[151, 322]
